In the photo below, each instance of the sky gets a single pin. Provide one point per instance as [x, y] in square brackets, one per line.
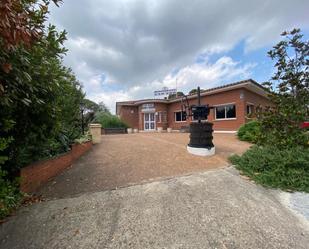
[126, 49]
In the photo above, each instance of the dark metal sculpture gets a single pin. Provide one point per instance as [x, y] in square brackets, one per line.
[200, 132]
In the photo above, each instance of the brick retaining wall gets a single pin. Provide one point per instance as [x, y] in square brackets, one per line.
[36, 174]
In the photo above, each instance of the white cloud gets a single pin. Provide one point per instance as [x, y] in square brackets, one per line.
[205, 75]
[135, 44]
[208, 75]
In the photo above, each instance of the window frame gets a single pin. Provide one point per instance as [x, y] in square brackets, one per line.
[252, 108]
[181, 117]
[225, 112]
[160, 118]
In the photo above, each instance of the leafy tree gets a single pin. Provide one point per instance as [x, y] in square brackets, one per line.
[45, 109]
[89, 110]
[22, 23]
[289, 93]
[40, 98]
[194, 91]
[178, 94]
[103, 108]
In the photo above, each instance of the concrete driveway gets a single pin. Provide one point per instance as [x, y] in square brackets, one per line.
[214, 209]
[209, 206]
[124, 160]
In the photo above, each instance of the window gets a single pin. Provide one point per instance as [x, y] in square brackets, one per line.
[162, 117]
[225, 112]
[250, 109]
[180, 116]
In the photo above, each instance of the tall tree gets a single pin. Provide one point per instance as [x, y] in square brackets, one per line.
[40, 98]
[289, 92]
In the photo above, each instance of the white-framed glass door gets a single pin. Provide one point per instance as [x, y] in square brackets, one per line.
[149, 121]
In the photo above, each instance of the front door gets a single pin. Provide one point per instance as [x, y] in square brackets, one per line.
[149, 121]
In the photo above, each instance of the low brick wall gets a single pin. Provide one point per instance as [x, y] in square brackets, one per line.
[108, 131]
[36, 174]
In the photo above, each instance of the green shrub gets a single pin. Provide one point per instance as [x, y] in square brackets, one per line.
[84, 138]
[108, 120]
[10, 195]
[280, 168]
[249, 131]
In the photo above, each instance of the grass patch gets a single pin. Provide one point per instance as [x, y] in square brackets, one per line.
[287, 169]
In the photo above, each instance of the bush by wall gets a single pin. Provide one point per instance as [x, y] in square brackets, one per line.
[280, 168]
[108, 120]
[250, 131]
[10, 195]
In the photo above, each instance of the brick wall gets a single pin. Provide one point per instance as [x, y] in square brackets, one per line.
[256, 100]
[240, 97]
[159, 107]
[34, 175]
[226, 97]
[129, 114]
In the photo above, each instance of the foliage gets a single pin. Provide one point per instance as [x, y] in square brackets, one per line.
[281, 168]
[178, 94]
[250, 131]
[289, 93]
[103, 108]
[282, 157]
[24, 21]
[89, 109]
[10, 195]
[40, 98]
[108, 120]
[84, 138]
[90, 106]
[5, 126]
[194, 91]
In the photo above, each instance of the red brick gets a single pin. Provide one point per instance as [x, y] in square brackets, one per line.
[36, 174]
[239, 96]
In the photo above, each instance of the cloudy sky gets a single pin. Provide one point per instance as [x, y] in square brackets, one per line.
[126, 49]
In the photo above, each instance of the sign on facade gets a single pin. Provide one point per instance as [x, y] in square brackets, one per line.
[149, 107]
[165, 92]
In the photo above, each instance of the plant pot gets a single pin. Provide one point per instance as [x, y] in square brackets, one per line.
[129, 130]
[160, 129]
[135, 130]
[169, 130]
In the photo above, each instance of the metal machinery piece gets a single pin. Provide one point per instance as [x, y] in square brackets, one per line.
[200, 129]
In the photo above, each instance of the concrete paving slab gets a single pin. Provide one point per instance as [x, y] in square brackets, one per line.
[214, 209]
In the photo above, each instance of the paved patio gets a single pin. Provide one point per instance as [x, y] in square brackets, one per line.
[129, 159]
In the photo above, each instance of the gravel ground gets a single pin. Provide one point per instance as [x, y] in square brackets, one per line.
[214, 209]
[129, 159]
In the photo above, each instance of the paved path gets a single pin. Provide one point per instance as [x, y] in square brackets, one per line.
[124, 160]
[214, 209]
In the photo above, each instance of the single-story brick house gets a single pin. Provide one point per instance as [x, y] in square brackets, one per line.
[233, 103]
